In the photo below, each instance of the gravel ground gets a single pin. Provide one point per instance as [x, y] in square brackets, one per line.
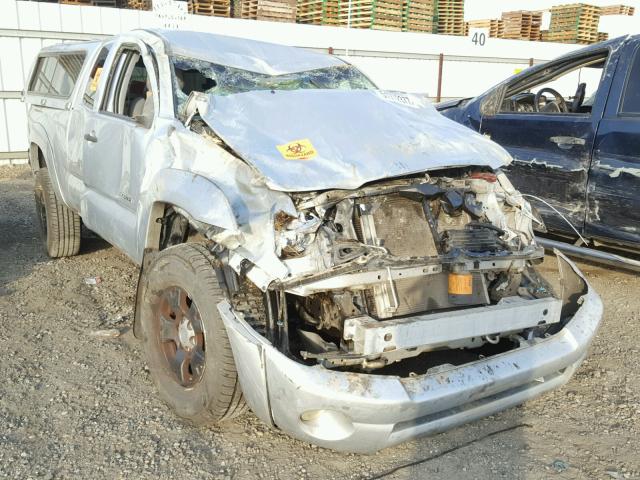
[74, 405]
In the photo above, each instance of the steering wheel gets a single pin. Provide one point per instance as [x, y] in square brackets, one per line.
[559, 100]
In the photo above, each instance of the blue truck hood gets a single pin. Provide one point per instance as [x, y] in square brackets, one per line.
[304, 140]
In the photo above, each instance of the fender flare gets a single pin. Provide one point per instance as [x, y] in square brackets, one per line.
[201, 198]
[38, 137]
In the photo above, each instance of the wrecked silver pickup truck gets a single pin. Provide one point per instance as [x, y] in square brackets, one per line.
[346, 261]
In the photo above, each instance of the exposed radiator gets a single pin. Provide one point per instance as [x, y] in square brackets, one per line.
[396, 223]
[399, 224]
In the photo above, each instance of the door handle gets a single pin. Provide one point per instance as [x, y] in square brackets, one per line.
[91, 137]
[567, 142]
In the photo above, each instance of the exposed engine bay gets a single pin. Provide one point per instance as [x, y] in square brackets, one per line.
[402, 267]
[392, 270]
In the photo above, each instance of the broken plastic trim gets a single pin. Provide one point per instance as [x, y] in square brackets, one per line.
[197, 103]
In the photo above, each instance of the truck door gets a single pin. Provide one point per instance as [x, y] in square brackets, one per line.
[116, 134]
[79, 114]
[614, 179]
[548, 123]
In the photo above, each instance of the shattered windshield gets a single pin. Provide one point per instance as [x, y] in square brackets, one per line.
[202, 76]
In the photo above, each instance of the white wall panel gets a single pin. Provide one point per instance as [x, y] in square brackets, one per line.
[110, 20]
[29, 49]
[71, 18]
[90, 19]
[9, 15]
[28, 15]
[418, 76]
[468, 79]
[47, 42]
[50, 20]
[17, 121]
[129, 20]
[11, 64]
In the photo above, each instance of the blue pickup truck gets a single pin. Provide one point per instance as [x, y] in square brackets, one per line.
[572, 126]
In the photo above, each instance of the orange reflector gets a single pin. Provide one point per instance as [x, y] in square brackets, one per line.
[460, 284]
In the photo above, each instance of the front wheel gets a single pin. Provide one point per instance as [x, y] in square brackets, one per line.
[184, 337]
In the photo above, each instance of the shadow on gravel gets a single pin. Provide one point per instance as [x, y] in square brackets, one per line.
[21, 247]
[20, 244]
[91, 242]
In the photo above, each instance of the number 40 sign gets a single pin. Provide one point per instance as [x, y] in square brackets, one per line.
[479, 36]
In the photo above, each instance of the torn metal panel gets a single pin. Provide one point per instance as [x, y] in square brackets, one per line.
[613, 195]
[254, 206]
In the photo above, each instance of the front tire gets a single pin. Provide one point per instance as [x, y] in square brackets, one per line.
[185, 340]
[59, 225]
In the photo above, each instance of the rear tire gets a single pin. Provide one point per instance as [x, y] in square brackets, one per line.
[59, 225]
[185, 340]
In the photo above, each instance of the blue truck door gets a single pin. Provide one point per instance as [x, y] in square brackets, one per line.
[614, 179]
[552, 151]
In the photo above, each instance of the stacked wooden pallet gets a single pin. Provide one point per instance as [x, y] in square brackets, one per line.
[212, 8]
[419, 16]
[139, 4]
[574, 23]
[521, 25]
[318, 12]
[602, 36]
[450, 16]
[495, 26]
[271, 10]
[617, 10]
[376, 14]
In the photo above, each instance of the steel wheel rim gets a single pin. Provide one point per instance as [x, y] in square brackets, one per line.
[180, 335]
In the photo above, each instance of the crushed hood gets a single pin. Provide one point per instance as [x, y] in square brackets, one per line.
[303, 140]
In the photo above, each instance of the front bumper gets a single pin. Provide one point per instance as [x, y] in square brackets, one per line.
[363, 413]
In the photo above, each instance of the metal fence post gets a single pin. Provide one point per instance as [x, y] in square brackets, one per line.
[440, 62]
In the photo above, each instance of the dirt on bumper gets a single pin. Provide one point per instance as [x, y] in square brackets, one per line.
[358, 412]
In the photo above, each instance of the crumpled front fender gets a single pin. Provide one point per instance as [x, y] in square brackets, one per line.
[195, 194]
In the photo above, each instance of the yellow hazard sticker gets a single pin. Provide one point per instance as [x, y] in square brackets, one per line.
[297, 150]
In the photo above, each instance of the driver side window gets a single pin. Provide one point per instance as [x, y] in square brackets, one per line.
[567, 87]
[129, 92]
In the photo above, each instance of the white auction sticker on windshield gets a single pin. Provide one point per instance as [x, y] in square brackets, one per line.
[400, 98]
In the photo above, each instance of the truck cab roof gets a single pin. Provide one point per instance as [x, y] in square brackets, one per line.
[252, 55]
